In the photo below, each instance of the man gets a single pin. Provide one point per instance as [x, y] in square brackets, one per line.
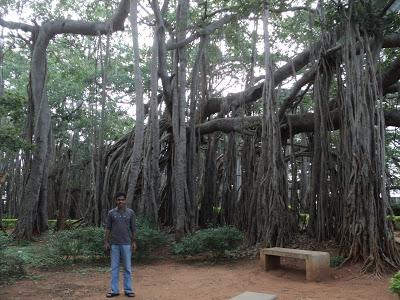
[120, 236]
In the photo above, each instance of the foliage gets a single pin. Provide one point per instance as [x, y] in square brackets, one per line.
[76, 243]
[336, 261]
[395, 220]
[395, 284]
[89, 242]
[10, 223]
[52, 223]
[148, 238]
[303, 220]
[304, 217]
[4, 241]
[11, 264]
[396, 209]
[61, 247]
[12, 111]
[37, 255]
[215, 240]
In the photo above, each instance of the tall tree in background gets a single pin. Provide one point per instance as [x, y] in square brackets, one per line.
[273, 222]
[365, 231]
[149, 203]
[41, 36]
[214, 156]
[137, 151]
[179, 179]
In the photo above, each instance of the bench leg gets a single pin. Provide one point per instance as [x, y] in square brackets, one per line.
[270, 262]
[317, 268]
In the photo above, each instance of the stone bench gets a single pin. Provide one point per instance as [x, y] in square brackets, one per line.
[317, 262]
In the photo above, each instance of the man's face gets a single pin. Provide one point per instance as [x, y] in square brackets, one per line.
[121, 202]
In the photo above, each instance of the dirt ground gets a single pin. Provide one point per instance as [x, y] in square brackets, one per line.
[171, 280]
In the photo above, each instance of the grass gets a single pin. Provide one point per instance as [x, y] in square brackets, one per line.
[10, 223]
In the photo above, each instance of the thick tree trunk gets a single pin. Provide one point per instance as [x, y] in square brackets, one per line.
[229, 187]
[209, 203]
[184, 219]
[248, 154]
[320, 221]
[42, 115]
[366, 235]
[42, 214]
[274, 225]
[193, 151]
[2, 188]
[151, 169]
[99, 197]
[2, 173]
[30, 197]
[1, 63]
[136, 156]
[63, 197]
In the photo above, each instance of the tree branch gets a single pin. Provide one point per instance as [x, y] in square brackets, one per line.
[307, 78]
[218, 11]
[298, 123]
[253, 93]
[394, 88]
[391, 75]
[16, 25]
[115, 23]
[294, 8]
[210, 28]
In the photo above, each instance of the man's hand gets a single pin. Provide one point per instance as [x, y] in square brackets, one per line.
[106, 240]
[106, 246]
[134, 247]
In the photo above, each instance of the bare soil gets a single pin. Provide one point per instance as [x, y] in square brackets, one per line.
[172, 280]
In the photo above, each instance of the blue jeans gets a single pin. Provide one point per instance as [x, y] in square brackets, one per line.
[118, 251]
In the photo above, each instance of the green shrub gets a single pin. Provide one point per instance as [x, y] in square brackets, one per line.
[395, 284]
[396, 209]
[9, 223]
[144, 223]
[11, 264]
[303, 220]
[89, 241]
[336, 261]
[4, 241]
[93, 240]
[86, 242]
[148, 238]
[52, 223]
[215, 240]
[63, 246]
[395, 220]
[68, 223]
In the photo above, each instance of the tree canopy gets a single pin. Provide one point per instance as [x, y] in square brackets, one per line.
[207, 112]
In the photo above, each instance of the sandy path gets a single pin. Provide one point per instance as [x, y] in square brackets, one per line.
[169, 280]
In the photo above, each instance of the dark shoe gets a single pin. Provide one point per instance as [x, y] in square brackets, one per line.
[110, 295]
[130, 294]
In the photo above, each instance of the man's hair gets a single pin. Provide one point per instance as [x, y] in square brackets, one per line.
[120, 194]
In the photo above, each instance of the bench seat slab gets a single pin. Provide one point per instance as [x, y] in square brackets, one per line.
[317, 262]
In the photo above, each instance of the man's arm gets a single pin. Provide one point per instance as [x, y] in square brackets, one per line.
[107, 232]
[133, 227]
[107, 239]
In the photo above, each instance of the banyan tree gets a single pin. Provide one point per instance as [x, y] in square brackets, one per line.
[306, 135]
